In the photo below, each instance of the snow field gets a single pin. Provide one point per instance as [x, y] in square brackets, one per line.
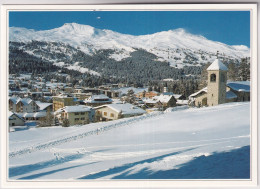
[132, 147]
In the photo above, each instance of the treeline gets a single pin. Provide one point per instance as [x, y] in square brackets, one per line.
[22, 62]
[138, 69]
[184, 87]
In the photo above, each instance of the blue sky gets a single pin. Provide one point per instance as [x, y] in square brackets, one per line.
[230, 27]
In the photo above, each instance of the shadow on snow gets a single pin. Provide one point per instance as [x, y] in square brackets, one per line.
[130, 165]
[20, 170]
[34, 176]
[234, 164]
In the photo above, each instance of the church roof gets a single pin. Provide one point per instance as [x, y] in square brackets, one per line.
[217, 65]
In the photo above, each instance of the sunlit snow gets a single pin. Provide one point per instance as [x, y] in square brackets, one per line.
[209, 142]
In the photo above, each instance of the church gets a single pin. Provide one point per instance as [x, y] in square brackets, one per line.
[219, 90]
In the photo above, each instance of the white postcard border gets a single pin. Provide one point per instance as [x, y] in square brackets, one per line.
[126, 183]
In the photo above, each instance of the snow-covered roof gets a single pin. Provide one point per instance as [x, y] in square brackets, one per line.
[182, 102]
[177, 96]
[217, 65]
[11, 114]
[117, 101]
[125, 109]
[164, 98]
[78, 108]
[43, 105]
[230, 95]
[200, 91]
[239, 85]
[124, 90]
[98, 99]
[35, 92]
[15, 99]
[25, 101]
[34, 114]
[150, 101]
[54, 85]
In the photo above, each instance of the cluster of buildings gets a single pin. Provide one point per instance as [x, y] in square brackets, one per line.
[35, 100]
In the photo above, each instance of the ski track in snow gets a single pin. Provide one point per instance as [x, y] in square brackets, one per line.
[80, 136]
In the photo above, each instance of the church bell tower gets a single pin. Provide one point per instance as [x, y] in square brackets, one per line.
[217, 80]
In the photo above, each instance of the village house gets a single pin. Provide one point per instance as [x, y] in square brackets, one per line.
[17, 104]
[166, 100]
[75, 115]
[111, 93]
[97, 100]
[240, 89]
[82, 96]
[33, 116]
[68, 89]
[22, 93]
[150, 103]
[199, 98]
[15, 120]
[62, 101]
[149, 94]
[110, 112]
[35, 95]
[218, 90]
[43, 106]
[161, 102]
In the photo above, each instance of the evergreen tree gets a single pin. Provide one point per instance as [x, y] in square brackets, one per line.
[244, 69]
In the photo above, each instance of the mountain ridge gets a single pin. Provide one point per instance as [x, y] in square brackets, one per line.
[166, 45]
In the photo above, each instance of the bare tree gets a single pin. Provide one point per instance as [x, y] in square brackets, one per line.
[48, 120]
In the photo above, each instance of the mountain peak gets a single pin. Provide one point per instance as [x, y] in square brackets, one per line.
[90, 39]
[75, 27]
[179, 30]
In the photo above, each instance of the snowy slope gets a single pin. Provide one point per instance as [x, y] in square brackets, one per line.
[182, 143]
[174, 46]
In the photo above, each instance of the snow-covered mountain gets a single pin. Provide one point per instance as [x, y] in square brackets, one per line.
[178, 47]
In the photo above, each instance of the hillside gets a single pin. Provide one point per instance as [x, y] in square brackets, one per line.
[175, 54]
[194, 143]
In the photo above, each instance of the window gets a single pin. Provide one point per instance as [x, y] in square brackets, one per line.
[213, 77]
[111, 115]
[77, 113]
[105, 113]
[76, 119]
[82, 118]
[82, 113]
